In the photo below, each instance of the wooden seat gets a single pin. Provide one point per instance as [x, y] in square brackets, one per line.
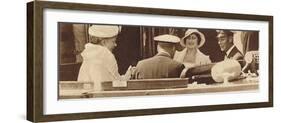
[146, 84]
[69, 71]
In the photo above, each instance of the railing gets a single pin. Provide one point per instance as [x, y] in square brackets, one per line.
[74, 89]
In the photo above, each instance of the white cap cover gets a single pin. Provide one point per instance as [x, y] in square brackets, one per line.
[167, 38]
[103, 31]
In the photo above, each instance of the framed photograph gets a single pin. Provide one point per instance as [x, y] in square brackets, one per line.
[90, 61]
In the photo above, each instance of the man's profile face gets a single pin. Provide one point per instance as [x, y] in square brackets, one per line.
[224, 41]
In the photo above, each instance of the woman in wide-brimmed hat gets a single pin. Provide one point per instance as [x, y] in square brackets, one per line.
[191, 56]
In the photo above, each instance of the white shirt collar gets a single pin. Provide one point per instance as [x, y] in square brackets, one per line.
[229, 50]
[161, 50]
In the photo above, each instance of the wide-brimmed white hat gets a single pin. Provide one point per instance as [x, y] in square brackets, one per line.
[167, 38]
[190, 31]
[103, 31]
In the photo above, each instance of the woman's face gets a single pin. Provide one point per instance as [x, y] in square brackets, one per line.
[110, 44]
[191, 41]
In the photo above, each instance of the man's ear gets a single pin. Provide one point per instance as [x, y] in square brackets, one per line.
[102, 42]
[179, 47]
[174, 48]
[230, 39]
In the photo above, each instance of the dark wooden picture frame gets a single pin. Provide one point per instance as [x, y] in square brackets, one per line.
[35, 62]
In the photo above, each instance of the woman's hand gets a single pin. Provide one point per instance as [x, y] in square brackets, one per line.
[130, 72]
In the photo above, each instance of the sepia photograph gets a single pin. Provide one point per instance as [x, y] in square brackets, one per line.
[109, 60]
[97, 61]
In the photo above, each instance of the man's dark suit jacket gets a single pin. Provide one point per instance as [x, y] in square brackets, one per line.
[158, 66]
[235, 54]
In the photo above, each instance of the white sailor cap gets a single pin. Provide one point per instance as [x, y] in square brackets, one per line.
[167, 38]
[103, 31]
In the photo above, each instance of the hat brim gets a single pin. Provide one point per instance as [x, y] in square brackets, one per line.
[202, 42]
[167, 38]
[103, 31]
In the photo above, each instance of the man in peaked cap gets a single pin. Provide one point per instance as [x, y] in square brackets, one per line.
[99, 64]
[225, 41]
[161, 65]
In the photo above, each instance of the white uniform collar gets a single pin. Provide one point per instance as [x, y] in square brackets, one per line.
[229, 50]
